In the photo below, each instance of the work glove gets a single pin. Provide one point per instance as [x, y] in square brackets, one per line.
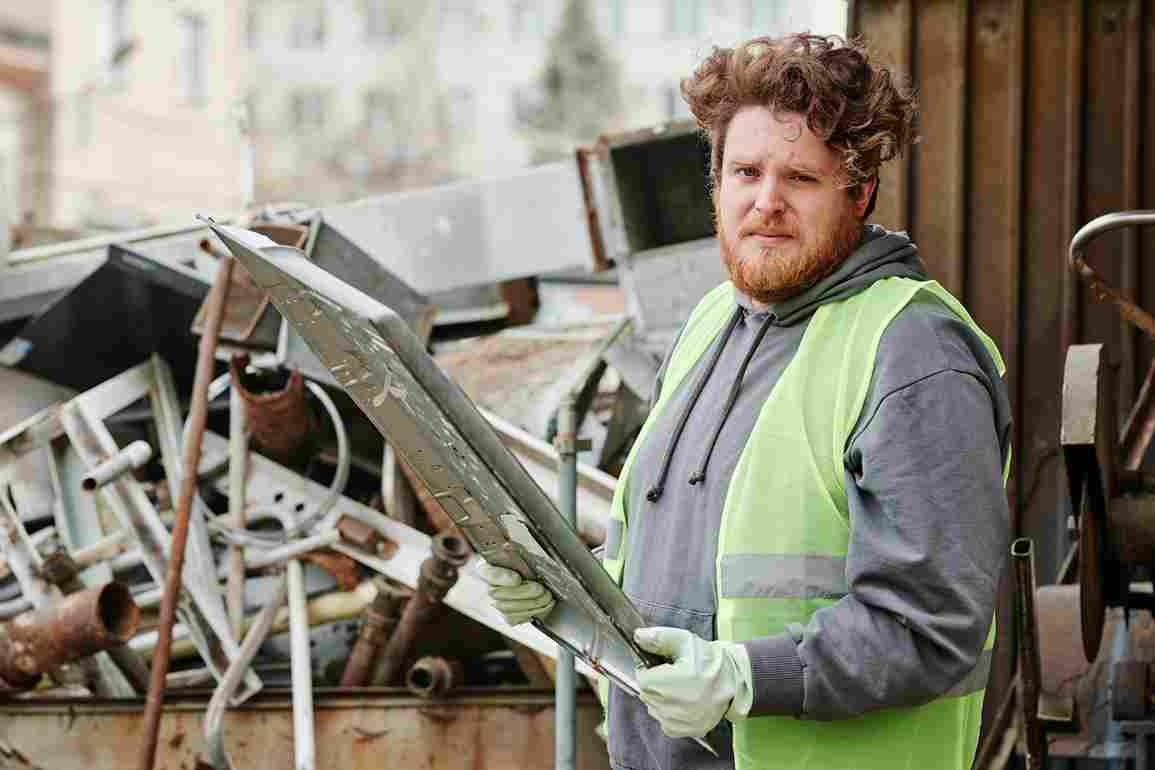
[703, 682]
[517, 599]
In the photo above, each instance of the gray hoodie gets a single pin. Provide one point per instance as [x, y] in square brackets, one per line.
[929, 518]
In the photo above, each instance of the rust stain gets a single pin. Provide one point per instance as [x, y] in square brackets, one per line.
[176, 741]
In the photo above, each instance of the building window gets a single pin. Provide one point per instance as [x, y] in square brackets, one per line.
[458, 18]
[191, 57]
[252, 26]
[383, 21]
[307, 108]
[528, 20]
[383, 123]
[308, 27]
[460, 110]
[615, 18]
[683, 18]
[112, 37]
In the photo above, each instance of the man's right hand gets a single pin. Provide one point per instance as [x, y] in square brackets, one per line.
[517, 599]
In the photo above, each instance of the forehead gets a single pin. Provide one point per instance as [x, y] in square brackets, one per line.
[758, 134]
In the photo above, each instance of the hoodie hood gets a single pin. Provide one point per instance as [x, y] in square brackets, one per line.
[880, 254]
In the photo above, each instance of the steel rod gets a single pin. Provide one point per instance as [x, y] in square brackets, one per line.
[565, 683]
[198, 411]
[1030, 667]
[238, 468]
[304, 738]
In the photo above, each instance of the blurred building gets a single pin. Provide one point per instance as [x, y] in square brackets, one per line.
[163, 109]
[25, 114]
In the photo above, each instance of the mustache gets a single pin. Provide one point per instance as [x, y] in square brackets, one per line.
[767, 226]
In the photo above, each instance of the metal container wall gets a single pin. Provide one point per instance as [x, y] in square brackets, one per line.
[377, 729]
[1036, 117]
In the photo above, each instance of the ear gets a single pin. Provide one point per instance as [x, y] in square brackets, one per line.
[861, 202]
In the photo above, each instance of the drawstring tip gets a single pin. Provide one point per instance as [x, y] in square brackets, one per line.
[697, 478]
[654, 494]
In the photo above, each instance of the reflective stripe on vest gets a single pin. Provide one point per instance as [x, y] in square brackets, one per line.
[781, 576]
[785, 531]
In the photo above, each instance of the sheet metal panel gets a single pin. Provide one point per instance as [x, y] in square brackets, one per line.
[367, 730]
[475, 232]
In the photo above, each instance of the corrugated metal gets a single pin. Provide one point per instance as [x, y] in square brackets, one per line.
[1036, 117]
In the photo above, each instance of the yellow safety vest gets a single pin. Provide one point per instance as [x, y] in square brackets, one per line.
[785, 530]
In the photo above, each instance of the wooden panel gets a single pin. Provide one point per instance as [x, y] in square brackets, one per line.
[1104, 126]
[938, 160]
[887, 26]
[1045, 238]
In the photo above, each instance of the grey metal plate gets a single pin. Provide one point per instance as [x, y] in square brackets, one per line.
[344, 259]
[426, 418]
[663, 285]
[476, 232]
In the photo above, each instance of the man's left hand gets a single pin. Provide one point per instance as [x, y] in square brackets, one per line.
[703, 682]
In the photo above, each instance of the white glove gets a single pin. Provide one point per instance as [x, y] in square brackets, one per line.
[704, 682]
[517, 599]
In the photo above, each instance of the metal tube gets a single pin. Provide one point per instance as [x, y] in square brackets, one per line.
[381, 618]
[340, 476]
[438, 575]
[433, 677]
[303, 734]
[1030, 667]
[131, 457]
[565, 682]
[198, 412]
[238, 469]
[80, 625]
[215, 712]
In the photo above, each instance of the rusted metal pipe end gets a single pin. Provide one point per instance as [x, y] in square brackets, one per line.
[282, 423]
[84, 623]
[451, 549]
[433, 677]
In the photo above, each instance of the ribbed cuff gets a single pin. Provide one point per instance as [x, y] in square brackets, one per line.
[777, 676]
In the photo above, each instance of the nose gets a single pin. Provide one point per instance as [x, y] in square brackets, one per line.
[769, 201]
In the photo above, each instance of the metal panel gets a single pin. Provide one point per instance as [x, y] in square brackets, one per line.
[474, 232]
[337, 254]
[434, 427]
[663, 285]
[366, 731]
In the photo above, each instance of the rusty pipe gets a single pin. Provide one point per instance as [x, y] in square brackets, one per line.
[438, 575]
[434, 677]
[1030, 666]
[80, 625]
[381, 618]
[280, 420]
[198, 414]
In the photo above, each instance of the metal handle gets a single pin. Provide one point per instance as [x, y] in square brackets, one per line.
[1101, 289]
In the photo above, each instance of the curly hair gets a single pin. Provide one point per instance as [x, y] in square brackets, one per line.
[857, 108]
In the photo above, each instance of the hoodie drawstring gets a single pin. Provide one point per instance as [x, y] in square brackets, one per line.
[655, 491]
[700, 474]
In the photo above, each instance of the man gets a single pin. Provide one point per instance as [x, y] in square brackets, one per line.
[813, 518]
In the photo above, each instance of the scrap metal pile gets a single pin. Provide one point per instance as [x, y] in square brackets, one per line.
[169, 451]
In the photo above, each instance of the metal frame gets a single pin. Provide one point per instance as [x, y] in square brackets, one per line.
[81, 420]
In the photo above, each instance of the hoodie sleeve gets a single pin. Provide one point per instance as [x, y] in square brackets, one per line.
[929, 536]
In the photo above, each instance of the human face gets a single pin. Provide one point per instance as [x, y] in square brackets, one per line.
[784, 219]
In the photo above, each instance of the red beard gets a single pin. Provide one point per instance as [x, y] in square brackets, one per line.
[777, 274]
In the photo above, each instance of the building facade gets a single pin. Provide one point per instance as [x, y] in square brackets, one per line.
[192, 105]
